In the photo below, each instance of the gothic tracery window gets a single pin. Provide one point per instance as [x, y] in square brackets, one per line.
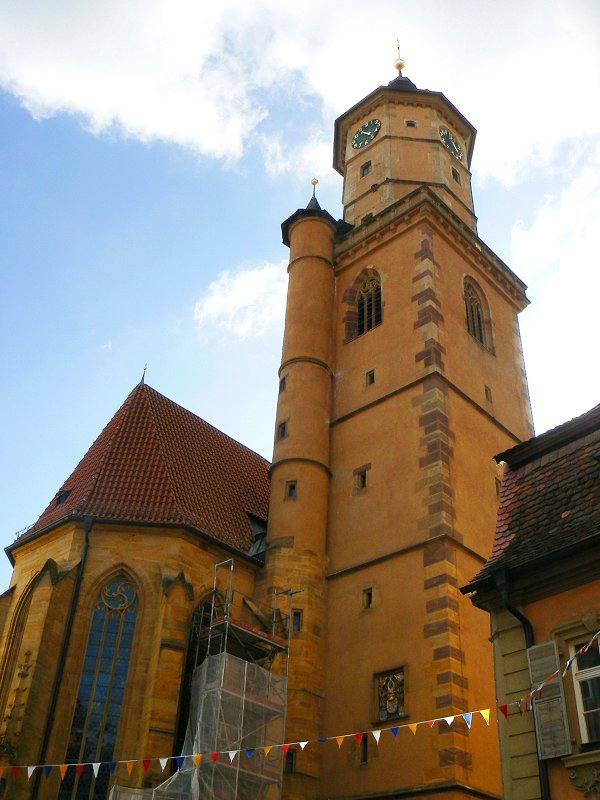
[477, 314]
[101, 689]
[368, 306]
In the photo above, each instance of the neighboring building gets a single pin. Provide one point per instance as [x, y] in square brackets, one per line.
[541, 586]
[401, 376]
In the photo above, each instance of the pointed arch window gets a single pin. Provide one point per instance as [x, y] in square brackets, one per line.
[365, 305]
[101, 689]
[477, 314]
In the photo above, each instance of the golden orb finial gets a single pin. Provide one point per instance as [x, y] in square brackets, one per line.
[314, 183]
[399, 64]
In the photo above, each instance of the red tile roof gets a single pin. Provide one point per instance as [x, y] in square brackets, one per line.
[550, 497]
[156, 462]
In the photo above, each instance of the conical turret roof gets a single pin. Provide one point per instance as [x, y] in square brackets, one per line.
[157, 463]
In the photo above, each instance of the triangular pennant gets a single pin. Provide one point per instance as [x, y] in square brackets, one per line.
[413, 727]
[163, 763]
[431, 722]
[129, 765]
[213, 757]
[468, 718]
[485, 713]
[449, 720]
[504, 709]
[267, 749]
[179, 760]
[146, 764]
[285, 748]
[112, 765]
[30, 771]
[394, 730]
[63, 770]
[358, 737]
[232, 754]
[339, 740]
[47, 770]
[96, 767]
[302, 745]
[197, 759]
[79, 769]
[2, 771]
[250, 752]
[322, 739]
[15, 772]
[376, 735]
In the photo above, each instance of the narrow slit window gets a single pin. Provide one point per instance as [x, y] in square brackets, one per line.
[370, 377]
[291, 489]
[365, 169]
[281, 430]
[456, 175]
[364, 749]
[361, 479]
[282, 383]
[296, 620]
[367, 597]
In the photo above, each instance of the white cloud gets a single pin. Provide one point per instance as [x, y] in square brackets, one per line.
[246, 303]
[206, 77]
[558, 255]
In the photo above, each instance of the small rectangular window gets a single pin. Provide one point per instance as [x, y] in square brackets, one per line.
[456, 175]
[290, 761]
[367, 597]
[370, 377]
[296, 620]
[282, 382]
[281, 430]
[365, 169]
[364, 749]
[498, 486]
[488, 394]
[410, 123]
[361, 479]
[291, 489]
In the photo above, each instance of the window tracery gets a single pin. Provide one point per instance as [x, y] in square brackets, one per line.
[364, 299]
[477, 314]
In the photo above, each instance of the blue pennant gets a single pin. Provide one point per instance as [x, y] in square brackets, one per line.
[394, 730]
[111, 766]
[250, 752]
[322, 739]
[180, 760]
[47, 770]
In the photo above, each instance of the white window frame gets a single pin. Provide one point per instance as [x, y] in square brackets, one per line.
[579, 675]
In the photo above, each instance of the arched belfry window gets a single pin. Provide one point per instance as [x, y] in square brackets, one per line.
[364, 298]
[477, 314]
[101, 689]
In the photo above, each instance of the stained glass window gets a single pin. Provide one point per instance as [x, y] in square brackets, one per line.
[390, 694]
[101, 689]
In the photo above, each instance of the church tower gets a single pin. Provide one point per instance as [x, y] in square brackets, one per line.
[401, 377]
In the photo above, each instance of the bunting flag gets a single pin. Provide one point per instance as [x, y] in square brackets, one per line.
[112, 765]
[302, 745]
[394, 730]
[358, 737]
[146, 764]
[62, 768]
[79, 769]
[163, 763]
[198, 758]
[322, 739]
[30, 771]
[15, 773]
[431, 722]
[376, 735]
[232, 754]
[129, 765]
[285, 748]
[47, 770]
[449, 720]
[267, 749]
[485, 713]
[468, 718]
[180, 760]
[96, 767]
[249, 752]
[214, 756]
[339, 740]
[413, 727]
[504, 709]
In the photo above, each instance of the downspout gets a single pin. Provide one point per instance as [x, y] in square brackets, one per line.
[501, 581]
[87, 527]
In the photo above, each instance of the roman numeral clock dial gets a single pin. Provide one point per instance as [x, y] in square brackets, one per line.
[366, 133]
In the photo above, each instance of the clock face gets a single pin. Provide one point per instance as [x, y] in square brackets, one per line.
[450, 143]
[366, 133]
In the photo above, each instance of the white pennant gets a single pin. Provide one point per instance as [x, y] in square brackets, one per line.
[302, 745]
[232, 754]
[96, 767]
[163, 763]
[30, 772]
[449, 720]
[376, 735]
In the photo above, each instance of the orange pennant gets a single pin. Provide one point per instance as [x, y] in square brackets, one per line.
[197, 759]
[339, 740]
[267, 749]
[413, 727]
[129, 765]
[63, 770]
[485, 713]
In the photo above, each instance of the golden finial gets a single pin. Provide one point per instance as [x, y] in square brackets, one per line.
[399, 63]
[144, 373]
[314, 183]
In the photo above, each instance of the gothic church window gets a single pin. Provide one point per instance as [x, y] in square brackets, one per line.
[101, 690]
[477, 314]
[365, 310]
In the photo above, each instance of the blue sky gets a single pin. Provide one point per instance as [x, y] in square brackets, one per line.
[150, 150]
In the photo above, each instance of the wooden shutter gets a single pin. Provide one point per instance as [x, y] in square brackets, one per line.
[551, 726]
